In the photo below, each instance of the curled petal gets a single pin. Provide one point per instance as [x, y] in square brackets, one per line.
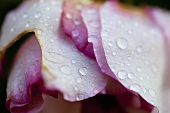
[25, 77]
[75, 28]
[64, 68]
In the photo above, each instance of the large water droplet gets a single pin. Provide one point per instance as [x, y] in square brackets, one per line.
[65, 69]
[135, 87]
[122, 74]
[75, 33]
[131, 75]
[122, 43]
[83, 71]
[152, 92]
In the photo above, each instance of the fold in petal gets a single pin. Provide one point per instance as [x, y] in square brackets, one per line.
[64, 68]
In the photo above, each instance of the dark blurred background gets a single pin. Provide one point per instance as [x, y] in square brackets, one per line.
[7, 5]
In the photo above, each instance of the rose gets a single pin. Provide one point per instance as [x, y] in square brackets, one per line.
[113, 37]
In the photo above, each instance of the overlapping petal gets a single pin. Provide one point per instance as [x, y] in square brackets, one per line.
[125, 54]
[64, 68]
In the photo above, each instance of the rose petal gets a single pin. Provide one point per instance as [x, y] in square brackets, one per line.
[64, 68]
[75, 28]
[25, 73]
[134, 61]
[126, 55]
[161, 19]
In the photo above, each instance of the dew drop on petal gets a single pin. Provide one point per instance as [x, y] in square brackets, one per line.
[75, 33]
[135, 87]
[38, 15]
[122, 74]
[122, 43]
[83, 71]
[139, 49]
[78, 80]
[131, 75]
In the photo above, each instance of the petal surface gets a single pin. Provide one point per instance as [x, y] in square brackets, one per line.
[24, 75]
[75, 28]
[125, 54]
[64, 68]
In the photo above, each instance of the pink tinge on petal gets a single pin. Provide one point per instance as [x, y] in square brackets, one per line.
[23, 88]
[122, 52]
[75, 28]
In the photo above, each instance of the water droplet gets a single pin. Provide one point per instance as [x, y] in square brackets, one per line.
[46, 24]
[12, 30]
[75, 88]
[94, 24]
[77, 22]
[68, 16]
[75, 33]
[141, 78]
[110, 44]
[25, 16]
[152, 92]
[139, 49]
[122, 43]
[131, 75]
[139, 69]
[47, 8]
[154, 68]
[73, 61]
[114, 53]
[92, 39]
[78, 80]
[38, 15]
[79, 97]
[65, 69]
[27, 24]
[122, 74]
[130, 32]
[83, 71]
[135, 87]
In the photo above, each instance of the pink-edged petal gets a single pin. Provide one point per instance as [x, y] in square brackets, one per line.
[24, 75]
[75, 28]
[135, 51]
[64, 68]
[125, 54]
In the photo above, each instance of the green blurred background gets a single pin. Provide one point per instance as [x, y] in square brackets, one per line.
[7, 5]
